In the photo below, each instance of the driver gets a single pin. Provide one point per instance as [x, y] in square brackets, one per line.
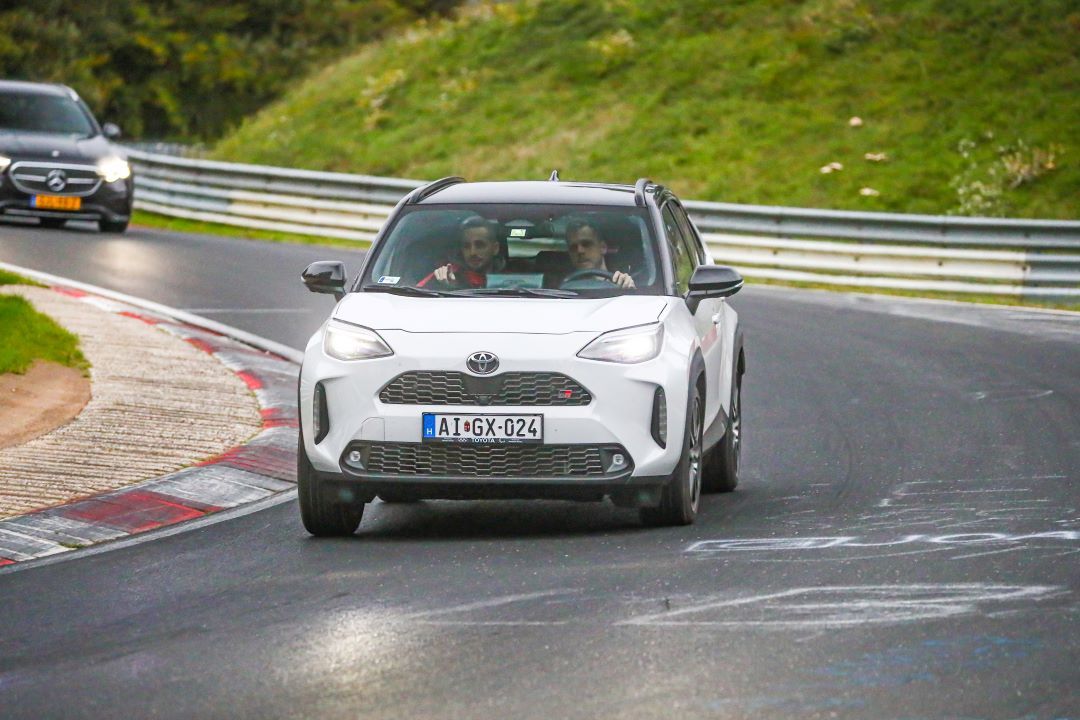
[586, 247]
[480, 253]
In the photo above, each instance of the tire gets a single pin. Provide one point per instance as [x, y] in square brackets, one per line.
[323, 515]
[113, 227]
[721, 471]
[53, 223]
[682, 495]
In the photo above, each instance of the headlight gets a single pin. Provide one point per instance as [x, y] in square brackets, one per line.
[351, 342]
[112, 169]
[4, 162]
[631, 345]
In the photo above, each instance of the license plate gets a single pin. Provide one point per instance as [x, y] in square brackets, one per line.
[54, 202]
[440, 427]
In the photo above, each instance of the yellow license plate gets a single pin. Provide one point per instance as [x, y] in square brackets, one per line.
[54, 202]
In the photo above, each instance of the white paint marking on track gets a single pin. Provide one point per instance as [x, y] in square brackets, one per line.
[846, 606]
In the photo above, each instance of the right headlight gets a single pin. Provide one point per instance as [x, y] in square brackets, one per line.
[629, 345]
[4, 162]
[352, 342]
[113, 168]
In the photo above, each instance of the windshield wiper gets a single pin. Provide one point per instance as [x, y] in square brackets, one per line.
[408, 290]
[520, 292]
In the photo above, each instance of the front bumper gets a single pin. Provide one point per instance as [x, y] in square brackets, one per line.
[619, 415]
[110, 202]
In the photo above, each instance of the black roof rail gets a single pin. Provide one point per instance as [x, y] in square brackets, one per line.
[554, 176]
[431, 188]
[639, 191]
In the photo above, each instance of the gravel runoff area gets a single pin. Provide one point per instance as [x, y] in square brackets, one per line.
[158, 404]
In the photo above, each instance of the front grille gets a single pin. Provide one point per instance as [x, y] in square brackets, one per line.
[34, 178]
[479, 461]
[457, 388]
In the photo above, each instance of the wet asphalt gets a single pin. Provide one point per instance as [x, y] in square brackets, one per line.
[905, 543]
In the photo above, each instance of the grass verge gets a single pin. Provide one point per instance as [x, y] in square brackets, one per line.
[9, 278]
[27, 335]
[174, 224]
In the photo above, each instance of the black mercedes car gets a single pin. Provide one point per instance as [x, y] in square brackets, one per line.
[56, 162]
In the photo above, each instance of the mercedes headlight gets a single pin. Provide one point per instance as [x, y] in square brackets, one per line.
[112, 169]
[352, 342]
[630, 345]
[4, 162]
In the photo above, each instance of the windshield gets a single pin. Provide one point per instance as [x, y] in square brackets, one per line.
[521, 249]
[34, 112]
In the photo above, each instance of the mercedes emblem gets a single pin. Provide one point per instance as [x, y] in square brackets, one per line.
[56, 180]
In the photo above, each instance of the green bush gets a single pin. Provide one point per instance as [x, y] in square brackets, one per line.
[186, 68]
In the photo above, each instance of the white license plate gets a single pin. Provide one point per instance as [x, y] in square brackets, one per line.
[442, 427]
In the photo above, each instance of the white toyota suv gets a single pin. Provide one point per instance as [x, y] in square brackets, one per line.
[524, 340]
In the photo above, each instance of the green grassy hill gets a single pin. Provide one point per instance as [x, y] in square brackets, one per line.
[967, 106]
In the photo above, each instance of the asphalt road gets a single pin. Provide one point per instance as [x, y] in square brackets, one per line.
[904, 544]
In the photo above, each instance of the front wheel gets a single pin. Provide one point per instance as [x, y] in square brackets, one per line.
[682, 495]
[323, 514]
[722, 463]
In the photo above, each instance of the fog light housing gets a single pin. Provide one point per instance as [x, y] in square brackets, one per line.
[353, 457]
[615, 460]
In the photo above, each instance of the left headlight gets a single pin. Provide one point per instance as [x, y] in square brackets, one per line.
[352, 342]
[630, 345]
[112, 169]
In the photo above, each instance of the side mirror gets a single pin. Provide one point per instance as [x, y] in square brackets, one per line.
[712, 281]
[325, 276]
[111, 130]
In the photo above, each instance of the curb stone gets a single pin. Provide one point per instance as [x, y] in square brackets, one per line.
[262, 467]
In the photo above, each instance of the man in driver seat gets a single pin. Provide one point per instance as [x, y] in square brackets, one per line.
[587, 249]
[479, 254]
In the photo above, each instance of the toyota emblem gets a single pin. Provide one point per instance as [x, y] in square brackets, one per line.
[56, 180]
[483, 362]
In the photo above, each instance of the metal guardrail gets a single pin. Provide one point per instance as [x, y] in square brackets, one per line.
[1029, 258]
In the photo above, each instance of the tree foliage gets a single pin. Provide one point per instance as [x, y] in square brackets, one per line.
[187, 68]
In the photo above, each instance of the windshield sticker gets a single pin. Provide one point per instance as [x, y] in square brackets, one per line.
[389, 279]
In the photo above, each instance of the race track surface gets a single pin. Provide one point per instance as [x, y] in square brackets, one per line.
[905, 543]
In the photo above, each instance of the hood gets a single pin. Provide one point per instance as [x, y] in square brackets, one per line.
[38, 146]
[381, 311]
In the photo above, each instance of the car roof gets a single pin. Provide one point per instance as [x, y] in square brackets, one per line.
[37, 88]
[533, 191]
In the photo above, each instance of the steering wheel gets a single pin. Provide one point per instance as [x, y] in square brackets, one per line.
[589, 274]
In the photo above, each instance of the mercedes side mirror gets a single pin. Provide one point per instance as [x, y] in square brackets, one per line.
[111, 131]
[325, 276]
[712, 281]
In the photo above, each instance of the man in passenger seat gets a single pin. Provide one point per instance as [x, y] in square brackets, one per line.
[480, 252]
[586, 246]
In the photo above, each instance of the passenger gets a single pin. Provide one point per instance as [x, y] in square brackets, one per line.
[479, 253]
[587, 248]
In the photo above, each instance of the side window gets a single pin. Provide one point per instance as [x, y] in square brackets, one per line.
[691, 237]
[684, 263]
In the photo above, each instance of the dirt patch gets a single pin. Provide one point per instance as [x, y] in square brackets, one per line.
[48, 396]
